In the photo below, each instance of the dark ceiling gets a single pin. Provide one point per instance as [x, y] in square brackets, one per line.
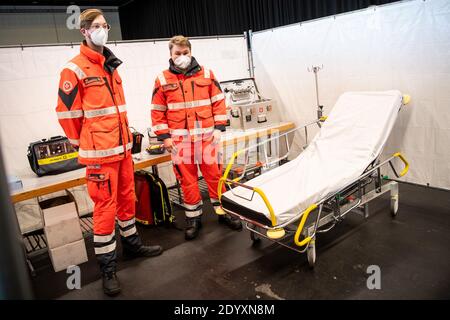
[96, 3]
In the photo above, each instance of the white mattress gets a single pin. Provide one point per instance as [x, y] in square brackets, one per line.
[349, 140]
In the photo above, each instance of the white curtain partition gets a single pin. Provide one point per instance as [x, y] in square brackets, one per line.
[404, 46]
[29, 86]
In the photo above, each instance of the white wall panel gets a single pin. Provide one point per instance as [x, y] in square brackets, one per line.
[404, 46]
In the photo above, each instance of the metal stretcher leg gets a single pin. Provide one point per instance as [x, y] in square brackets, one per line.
[394, 198]
[311, 249]
[253, 236]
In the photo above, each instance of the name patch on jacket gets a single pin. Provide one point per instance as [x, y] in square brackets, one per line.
[170, 86]
[91, 80]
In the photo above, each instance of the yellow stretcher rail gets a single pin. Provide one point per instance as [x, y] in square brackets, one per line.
[225, 174]
[225, 180]
[305, 215]
[405, 170]
[273, 218]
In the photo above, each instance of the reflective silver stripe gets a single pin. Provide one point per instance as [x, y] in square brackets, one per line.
[75, 141]
[192, 206]
[174, 106]
[198, 103]
[106, 238]
[207, 73]
[161, 126]
[158, 107]
[70, 114]
[193, 214]
[217, 97]
[106, 249]
[214, 200]
[103, 153]
[128, 233]
[196, 131]
[127, 223]
[221, 117]
[179, 132]
[162, 79]
[189, 104]
[72, 66]
[104, 111]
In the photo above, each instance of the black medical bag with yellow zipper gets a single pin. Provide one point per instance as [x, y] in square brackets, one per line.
[52, 156]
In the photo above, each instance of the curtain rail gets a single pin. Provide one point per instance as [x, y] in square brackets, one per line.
[71, 44]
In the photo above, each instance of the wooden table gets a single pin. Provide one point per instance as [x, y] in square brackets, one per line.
[34, 186]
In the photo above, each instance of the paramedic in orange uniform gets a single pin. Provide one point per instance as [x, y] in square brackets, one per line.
[188, 113]
[92, 111]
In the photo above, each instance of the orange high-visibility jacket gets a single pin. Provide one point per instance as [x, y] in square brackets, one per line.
[187, 104]
[91, 107]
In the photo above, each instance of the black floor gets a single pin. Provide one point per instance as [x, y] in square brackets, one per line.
[411, 251]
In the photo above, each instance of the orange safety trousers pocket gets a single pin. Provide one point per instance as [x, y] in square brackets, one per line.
[99, 186]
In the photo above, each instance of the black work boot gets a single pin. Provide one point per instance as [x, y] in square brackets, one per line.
[111, 285]
[105, 252]
[133, 248]
[193, 226]
[231, 221]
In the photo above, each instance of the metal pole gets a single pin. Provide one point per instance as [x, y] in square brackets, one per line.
[14, 276]
[251, 67]
[317, 87]
[115, 42]
[316, 69]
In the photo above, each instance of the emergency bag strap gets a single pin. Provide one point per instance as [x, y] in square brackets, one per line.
[155, 198]
[54, 138]
[30, 157]
[165, 195]
[166, 203]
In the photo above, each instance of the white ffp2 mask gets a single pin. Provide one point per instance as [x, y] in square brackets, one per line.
[183, 61]
[99, 37]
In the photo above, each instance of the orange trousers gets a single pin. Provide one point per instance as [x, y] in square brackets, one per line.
[186, 160]
[111, 187]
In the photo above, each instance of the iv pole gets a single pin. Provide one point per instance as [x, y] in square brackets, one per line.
[316, 69]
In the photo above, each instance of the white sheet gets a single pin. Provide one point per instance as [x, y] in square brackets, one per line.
[350, 139]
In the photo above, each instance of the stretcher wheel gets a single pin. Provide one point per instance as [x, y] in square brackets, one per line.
[255, 238]
[311, 253]
[394, 206]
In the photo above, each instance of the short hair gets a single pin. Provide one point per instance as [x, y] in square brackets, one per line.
[89, 15]
[179, 41]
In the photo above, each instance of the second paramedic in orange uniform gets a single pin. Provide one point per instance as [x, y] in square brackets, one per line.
[91, 109]
[188, 114]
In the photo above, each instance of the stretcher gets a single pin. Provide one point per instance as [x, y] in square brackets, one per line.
[338, 172]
